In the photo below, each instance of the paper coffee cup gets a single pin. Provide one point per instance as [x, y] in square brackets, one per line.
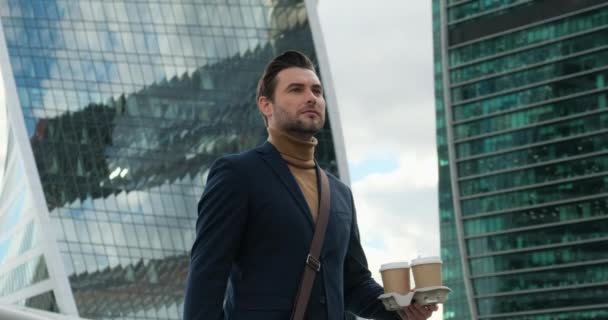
[396, 277]
[427, 272]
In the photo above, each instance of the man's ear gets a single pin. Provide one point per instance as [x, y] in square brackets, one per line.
[265, 106]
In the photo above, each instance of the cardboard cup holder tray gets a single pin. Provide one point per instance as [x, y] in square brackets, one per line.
[394, 301]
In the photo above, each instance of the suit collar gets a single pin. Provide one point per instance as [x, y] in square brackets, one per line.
[266, 148]
[274, 160]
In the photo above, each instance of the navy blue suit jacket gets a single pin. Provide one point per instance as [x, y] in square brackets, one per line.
[253, 234]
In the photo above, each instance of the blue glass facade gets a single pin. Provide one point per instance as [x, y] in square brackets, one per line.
[521, 89]
[456, 307]
[126, 104]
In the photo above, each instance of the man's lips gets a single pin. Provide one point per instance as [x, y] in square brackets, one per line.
[308, 112]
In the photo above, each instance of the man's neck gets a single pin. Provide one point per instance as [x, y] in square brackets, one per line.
[296, 151]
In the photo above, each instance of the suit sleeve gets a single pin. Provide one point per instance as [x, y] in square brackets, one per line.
[360, 290]
[222, 213]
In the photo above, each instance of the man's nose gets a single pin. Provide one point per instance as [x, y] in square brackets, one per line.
[311, 97]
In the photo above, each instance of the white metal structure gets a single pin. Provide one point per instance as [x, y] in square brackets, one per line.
[14, 312]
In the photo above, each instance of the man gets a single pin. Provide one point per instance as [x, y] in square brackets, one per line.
[257, 218]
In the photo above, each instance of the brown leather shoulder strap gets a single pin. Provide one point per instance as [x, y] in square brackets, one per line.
[313, 262]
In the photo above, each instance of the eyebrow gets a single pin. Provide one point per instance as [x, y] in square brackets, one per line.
[299, 84]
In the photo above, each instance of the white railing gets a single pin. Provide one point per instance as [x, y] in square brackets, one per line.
[14, 312]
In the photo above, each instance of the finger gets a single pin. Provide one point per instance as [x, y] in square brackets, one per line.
[428, 314]
[415, 312]
[409, 314]
[432, 307]
[419, 310]
[428, 310]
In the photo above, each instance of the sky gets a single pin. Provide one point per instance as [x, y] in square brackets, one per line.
[381, 59]
[380, 55]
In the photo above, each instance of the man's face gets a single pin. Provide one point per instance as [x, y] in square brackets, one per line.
[298, 107]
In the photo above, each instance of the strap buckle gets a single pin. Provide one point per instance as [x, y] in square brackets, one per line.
[313, 263]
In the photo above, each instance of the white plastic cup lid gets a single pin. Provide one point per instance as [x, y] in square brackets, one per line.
[426, 260]
[394, 265]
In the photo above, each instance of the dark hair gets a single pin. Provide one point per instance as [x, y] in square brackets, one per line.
[268, 82]
[287, 59]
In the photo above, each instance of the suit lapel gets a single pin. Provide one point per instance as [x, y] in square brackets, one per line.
[274, 160]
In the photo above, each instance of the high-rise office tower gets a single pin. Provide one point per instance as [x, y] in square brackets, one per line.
[522, 132]
[111, 114]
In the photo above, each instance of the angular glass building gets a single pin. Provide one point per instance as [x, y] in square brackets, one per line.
[111, 113]
[522, 134]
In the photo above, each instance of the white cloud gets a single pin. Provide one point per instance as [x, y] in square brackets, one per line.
[400, 208]
[381, 61]
[397, 214]
[417, 170]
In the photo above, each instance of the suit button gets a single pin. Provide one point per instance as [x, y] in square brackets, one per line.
[322, 299]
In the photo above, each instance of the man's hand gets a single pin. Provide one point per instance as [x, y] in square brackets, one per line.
[417, 312]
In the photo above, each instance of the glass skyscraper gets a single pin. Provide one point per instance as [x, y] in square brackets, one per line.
[111, 114]
[522, 134]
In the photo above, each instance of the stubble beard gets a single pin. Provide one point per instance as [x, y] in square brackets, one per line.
[297, 126]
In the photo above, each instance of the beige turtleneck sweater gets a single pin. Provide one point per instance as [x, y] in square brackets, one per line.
[300, 157]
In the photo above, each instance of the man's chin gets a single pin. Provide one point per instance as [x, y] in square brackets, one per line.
[301, 130]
